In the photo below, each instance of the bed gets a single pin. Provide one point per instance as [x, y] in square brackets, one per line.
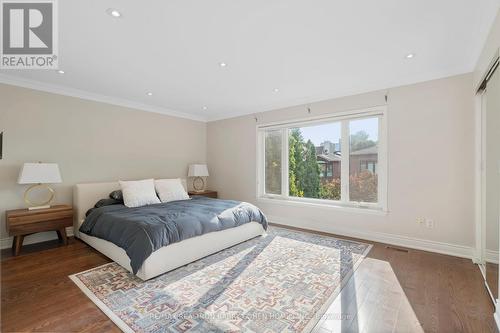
[165, 258]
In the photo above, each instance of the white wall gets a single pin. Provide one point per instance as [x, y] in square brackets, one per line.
[430, 165]
[90, 141]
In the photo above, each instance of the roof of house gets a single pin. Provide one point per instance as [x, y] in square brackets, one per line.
[366, 151]
[329, 157]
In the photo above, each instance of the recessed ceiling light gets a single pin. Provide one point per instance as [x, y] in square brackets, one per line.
[113, 12]
[222, 64]
[276, 90]
[60, 71]
[149, 93]
[204, 108]
[410, 55]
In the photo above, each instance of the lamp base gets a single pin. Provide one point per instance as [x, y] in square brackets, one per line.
[39, 207]
[197, 188]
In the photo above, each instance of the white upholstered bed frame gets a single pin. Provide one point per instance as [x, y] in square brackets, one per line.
[166, 258]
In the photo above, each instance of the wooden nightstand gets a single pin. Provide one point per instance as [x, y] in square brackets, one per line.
[23, 222]
[206, 193]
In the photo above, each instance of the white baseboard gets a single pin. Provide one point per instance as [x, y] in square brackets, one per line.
[496, 315]
[410, 242]
[6, 243]
[392, 239]
[491, 256]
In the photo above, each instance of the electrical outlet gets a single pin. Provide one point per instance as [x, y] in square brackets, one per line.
[429, 223]
[420, 220]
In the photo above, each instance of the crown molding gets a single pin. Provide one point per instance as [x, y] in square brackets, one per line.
[321, 97]
[60, 90]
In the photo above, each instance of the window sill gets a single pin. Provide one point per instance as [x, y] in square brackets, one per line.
[333, 206]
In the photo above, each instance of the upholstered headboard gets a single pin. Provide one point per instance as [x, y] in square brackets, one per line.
[86, 195]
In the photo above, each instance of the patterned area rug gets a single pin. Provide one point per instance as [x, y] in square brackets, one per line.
[281, 282]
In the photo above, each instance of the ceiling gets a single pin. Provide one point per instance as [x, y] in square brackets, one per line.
[308, 50]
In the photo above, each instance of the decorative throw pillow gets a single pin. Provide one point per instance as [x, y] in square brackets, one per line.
[170, 190]
[117, 195]
[107, 202]
[139, 193]
[102, 203]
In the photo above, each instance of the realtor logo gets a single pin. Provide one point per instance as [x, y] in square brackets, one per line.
[29, 34]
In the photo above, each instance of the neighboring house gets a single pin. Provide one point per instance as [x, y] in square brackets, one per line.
[329, 162]
[360, 160]
[329, 166]
[364, 159]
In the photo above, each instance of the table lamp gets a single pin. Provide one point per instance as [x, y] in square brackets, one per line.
[39, 174]
[198, 171]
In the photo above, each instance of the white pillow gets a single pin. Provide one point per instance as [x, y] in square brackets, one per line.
[139, 193]
[170, 190]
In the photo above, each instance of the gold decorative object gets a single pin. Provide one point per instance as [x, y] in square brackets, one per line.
[38, 205]
[39, 175]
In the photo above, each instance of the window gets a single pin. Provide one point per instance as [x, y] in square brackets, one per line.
[311, 156]
[368, 165]
[329, 170]
[333, 160]
[322, 169]
[273, 162]
[363, 140]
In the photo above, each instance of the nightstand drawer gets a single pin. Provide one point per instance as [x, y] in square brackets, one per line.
[44, 216]
[21, 221]
[29, 228]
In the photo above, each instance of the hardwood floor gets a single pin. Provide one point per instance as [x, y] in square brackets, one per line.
[393, 290]
[37, 294]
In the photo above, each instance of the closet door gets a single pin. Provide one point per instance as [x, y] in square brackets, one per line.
[491, 180]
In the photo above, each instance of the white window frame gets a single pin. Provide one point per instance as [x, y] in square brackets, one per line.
[343, 118]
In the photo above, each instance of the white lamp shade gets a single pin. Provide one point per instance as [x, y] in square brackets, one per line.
[198, 170]
[39, 173]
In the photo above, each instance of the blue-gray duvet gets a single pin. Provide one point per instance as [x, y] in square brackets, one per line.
[141, 231]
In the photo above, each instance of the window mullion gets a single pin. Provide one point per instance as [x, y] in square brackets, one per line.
[284, 163]
[261, 163]
[382, 163]
[344, 167]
